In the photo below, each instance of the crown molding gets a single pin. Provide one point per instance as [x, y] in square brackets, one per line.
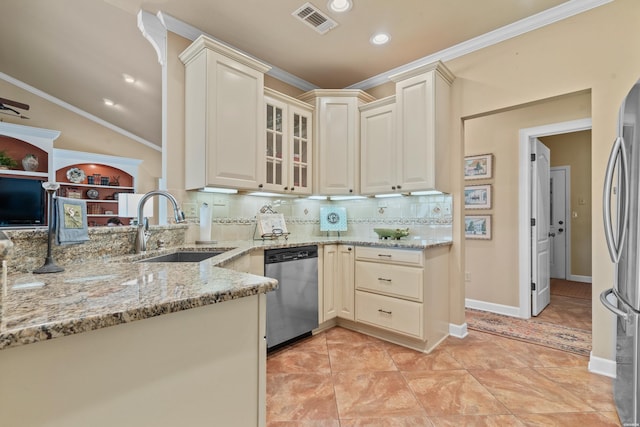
[190, 32]
[539, 20]
[77, 111]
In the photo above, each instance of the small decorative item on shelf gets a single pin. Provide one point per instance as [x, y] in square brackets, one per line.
[6, 162]
[92, 193]
[115, 181]
[30, 163]
[74, 193]
[104, 180]
[75, 175]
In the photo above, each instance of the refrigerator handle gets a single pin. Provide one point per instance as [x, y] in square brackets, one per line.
[615, 243]
[611, 307]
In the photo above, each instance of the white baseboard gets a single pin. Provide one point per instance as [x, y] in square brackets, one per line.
[458, 331]
[576, 278]
[601, 366]
[506, 310]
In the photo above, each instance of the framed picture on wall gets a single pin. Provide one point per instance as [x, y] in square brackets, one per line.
[477, 227]
[478, 167]
[477, 196]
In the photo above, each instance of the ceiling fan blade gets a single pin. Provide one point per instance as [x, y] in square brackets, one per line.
[14, 104]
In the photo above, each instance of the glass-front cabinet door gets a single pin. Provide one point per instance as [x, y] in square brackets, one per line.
[301, 160]
[288, 158]
[276, 173]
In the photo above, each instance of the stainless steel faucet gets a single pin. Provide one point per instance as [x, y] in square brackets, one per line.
[143, 223]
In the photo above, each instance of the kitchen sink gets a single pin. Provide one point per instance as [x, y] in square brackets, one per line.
[184, 256]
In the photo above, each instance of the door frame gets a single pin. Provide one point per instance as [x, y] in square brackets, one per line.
[567, 224]
[524, 202]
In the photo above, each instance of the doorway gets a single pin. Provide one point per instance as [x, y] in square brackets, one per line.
[525, 203]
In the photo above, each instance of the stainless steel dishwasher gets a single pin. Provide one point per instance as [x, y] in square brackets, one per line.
[292, 309]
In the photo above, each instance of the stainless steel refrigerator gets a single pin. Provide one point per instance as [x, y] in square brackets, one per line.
[622, 229]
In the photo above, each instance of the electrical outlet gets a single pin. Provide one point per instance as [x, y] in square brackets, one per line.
[467, 276]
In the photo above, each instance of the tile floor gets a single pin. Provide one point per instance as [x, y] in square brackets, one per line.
[340, 378]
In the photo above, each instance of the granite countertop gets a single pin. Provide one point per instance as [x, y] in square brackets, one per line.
[37, 307]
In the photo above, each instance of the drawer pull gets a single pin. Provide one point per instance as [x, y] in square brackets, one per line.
[384, 311]
[384, 280]
[385, 255]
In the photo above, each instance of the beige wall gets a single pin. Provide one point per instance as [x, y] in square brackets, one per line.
[574, 150]
[81, 134]
[492, 266]
[590, 51]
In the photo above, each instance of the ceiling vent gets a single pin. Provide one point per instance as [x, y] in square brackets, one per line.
[313, 17]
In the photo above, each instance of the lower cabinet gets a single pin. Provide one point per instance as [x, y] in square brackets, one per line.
[404, 292]
[338, 282]
[400, 295]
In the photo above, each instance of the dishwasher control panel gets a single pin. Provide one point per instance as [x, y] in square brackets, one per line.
[272, 256]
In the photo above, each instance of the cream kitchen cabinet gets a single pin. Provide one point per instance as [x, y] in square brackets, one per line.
[337, 139]
[338, 282]
[378, 149]
[224, 117]
[289, 135]
[402, 294]
[422, 128]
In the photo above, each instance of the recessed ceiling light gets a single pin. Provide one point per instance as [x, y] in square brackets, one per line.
[127, 78]
[108, 102]
[340, 5]
[380, 38]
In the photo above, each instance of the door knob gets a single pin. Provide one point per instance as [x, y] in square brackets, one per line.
[560, 230]
[552, 234]
[560, 222]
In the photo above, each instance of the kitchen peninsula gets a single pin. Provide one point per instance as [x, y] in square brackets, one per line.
[185, 342]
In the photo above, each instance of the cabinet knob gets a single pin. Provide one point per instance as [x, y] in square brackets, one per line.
[259, 185]
[351, 190]
[393, 187]
[286, 188]
[349, 248]
[292, 188]
[399, 187]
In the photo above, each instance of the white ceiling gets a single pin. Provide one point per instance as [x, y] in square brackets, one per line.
[77, 50]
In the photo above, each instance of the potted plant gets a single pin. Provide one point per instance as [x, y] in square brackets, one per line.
[6, 162]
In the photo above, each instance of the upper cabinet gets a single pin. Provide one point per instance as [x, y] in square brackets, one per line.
[378, 148]
[224, 117]
[337, 139]
[289, 144]
[422, 127]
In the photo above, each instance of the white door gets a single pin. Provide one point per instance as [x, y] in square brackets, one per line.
[540, 213]
[558, 221]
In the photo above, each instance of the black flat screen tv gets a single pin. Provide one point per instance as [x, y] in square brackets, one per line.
[22, 202]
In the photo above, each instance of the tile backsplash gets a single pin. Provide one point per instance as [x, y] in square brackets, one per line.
[234, 216]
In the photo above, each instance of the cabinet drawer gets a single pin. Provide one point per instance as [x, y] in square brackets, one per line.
[393, 314]
[396, 256]
[389, 279]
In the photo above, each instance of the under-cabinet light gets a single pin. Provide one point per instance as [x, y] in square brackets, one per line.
[384, 196]
[317, 197]
[347, 197]
[426, 193]
[219, 190]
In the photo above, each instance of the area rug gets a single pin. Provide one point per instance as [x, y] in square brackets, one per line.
[560, 337]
